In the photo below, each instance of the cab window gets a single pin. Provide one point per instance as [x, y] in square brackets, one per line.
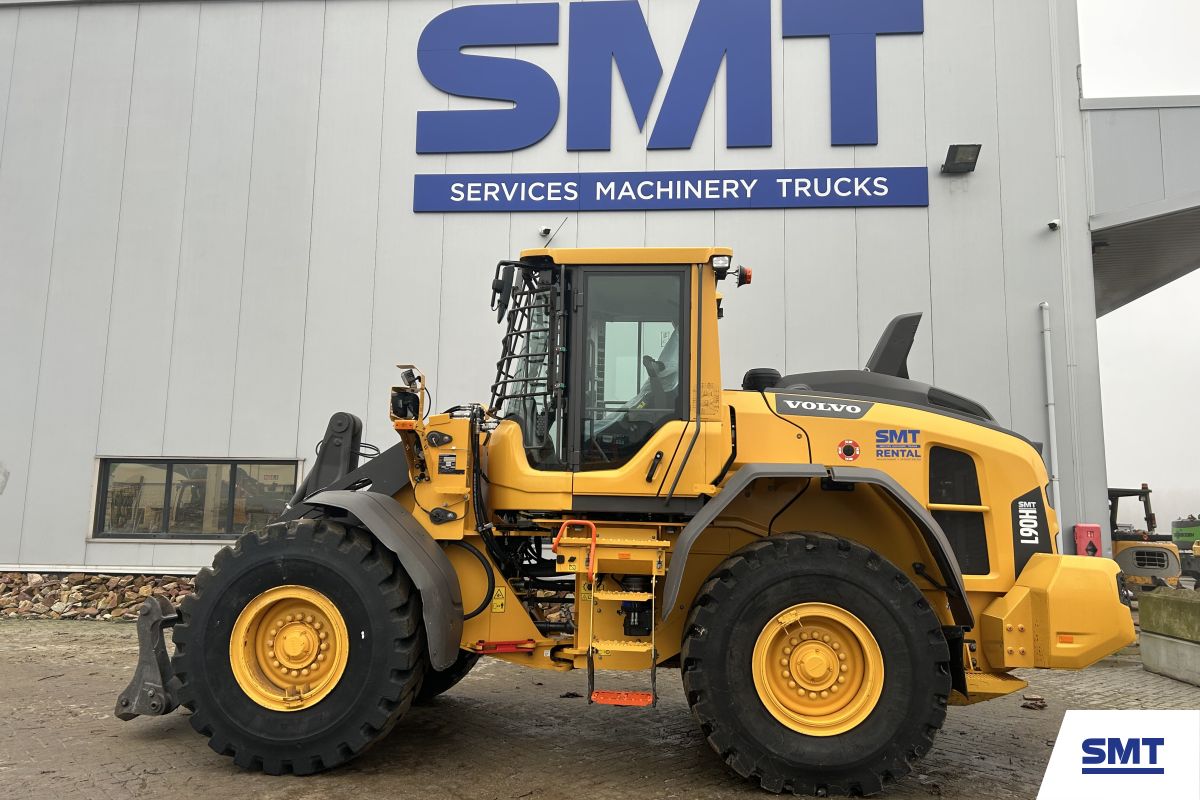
[634, 362]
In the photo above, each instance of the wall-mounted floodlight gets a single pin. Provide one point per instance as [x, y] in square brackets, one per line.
[961, 158]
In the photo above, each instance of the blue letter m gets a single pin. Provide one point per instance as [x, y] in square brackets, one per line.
[852, 26]
[736, 32]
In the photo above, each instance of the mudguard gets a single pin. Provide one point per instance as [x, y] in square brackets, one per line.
[931, 532]
[422, 558]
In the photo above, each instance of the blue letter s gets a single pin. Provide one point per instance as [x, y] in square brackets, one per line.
[528, 87]
[1093, 750]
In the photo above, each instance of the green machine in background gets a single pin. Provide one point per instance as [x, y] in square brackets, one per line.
[1185, 531]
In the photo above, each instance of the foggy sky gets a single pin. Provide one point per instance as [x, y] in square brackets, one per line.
[1149, 349]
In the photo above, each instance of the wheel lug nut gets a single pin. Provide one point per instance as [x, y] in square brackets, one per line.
[787, 673]
[812, 695]
[324, 645]
[837, 646]
[842, 679]
[304, 672]
[321, 657]
[289, 618]
[791, 684]
[295, 674]
[274, 663]
[787, 651]
[322, 634]
[270, 642]
[824, 694]
[845, 668]
[317, 625]
[309, 619]
[793, 641]
[783, 661]
[825, 638]
[833, 688]
[841, 656]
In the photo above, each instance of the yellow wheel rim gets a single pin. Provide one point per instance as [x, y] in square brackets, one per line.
[289, 648]
[818, 669]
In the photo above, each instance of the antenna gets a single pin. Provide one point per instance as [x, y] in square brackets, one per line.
[556, 230]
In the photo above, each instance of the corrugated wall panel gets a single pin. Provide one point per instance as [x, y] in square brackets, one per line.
[208, 294]
[266, 395]
[965, 241]
[893, 243]
[1180, 129]
[30, 165]
[341, 270]
[1129, 143]
[408, 255]
[142, 315]
[820, 252]
[62, 468]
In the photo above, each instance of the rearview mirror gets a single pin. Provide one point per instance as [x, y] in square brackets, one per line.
[502, 286]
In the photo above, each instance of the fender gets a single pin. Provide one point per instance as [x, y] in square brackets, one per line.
[422, 558]
[931, 532]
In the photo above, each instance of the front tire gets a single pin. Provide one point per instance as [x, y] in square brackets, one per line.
[301, 647]
[815, 666]
[438, 683]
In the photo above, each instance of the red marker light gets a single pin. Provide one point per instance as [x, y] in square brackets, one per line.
[744, 276]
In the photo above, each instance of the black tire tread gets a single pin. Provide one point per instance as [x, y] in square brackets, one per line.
[740, 755]
[394, 587]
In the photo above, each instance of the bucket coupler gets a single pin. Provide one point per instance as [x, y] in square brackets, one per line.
[154, 686]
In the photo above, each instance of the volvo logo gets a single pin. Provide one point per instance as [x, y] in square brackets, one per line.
[820, 407]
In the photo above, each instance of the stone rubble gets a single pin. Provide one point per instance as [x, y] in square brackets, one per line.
[81, 595]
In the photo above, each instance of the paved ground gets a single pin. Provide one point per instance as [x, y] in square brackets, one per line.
[505, 732]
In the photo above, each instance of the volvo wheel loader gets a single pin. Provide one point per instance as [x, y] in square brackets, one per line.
[828, 559]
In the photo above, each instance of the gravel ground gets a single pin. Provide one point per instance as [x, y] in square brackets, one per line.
[504, 732]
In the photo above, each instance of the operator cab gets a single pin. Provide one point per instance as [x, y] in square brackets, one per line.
[598, 353]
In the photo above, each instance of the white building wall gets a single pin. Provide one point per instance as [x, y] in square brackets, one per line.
[207, 243]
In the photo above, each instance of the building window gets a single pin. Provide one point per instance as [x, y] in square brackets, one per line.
[178, 499]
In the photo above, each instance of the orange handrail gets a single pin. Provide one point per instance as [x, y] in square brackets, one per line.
[562, 530]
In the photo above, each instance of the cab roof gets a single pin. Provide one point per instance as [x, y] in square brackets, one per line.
[627, 255]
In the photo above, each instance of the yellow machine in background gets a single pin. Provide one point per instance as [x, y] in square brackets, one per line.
[829, 558]
[1147, 559]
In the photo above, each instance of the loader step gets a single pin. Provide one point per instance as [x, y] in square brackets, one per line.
[625, 597]
[611, 698]
[622, 646]
[572, 541]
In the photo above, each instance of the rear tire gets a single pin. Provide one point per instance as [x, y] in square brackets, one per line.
[743, 604]
[384, 647]
[437, 683]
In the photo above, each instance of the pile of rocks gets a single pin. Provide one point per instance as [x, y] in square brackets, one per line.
[83, 596]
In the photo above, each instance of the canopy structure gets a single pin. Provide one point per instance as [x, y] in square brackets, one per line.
[1145, 182]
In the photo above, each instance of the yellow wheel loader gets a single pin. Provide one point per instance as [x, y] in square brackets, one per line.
[1147, 559]
[829, 559]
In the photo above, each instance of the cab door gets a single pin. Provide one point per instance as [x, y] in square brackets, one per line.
[632, 407]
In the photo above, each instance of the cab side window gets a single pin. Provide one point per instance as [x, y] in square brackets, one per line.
[634, 362]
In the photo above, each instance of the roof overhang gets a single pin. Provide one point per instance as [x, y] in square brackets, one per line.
[1138, 250]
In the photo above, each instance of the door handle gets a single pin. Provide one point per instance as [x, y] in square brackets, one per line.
[654, 466]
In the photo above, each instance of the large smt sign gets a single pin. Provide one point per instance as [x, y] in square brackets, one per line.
[603, 33]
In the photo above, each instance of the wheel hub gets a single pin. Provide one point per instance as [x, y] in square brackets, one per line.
[289, 648]
[818, 669]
